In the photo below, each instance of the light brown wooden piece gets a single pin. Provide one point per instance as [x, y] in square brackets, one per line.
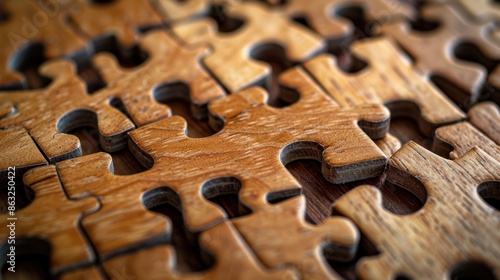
[485, 116]
[389, 144]
[234, 260]
[253, 146]
[463, 137]
[120, 18]
[91, 273]
[230, 61]
[65, 105]
[388, 79]
[173, 10]
[33, 21]
[320, 14]
[17, 149]
[51, 216]
[455, 225]
[280, 237]
[453, 30]
[481, 10]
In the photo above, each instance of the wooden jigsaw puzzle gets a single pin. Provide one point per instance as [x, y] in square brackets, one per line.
[249, 139]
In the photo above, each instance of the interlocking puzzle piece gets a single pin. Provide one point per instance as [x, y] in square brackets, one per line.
[89, 273]
[389, 144]
[482, 10]
[51, 216]
[17, 149]
[253, 146]
[233, 260]
[486, 117]
[300, 244]
[454, 225]
[321, 14]
[230, 61]
[35, 22]
[464, 136]
[65, 105]
[121, 18]
[172, 10]
[494, 80]
[453, 29]
[389, 79]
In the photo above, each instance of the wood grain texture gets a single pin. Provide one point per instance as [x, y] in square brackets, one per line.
[454, 226]
[453, 29]
[485, 116]
[48, 114]
[34, 22]
[388, 79]
[389, 144]
[234, 260]
[17, 149]
[279, 236]
[231, 60]
[172, 10]
[119, 18]
[52, 217]
[198, 168]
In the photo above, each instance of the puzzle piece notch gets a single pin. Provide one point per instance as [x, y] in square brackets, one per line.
[115, 18]
[394, 84]
[70, 107]
[231, 59]
[303, 247]
[454, 226]
[453, 30]
[35, 21]
[185, 164]
[44, 219]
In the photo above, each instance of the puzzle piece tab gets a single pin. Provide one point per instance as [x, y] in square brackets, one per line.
[52, 217]
[233, 260]
[173, 10]
[486, 117]
[231, 60]
[389, 79]
[253, 146]
[454, 226]
[33, 21]
[49, 113]
[279, 236]
[453, 30]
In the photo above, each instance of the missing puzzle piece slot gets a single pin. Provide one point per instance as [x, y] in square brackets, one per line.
[225, 192]
[32, 259]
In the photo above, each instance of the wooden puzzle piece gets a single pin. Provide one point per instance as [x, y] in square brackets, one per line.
[453, 29]
[494, 80]
[234, 260]
[486, 117]
[50, 113]
[18, 150]
[464, 136]
[34, 22]
[389, 79]
[121, 18]
[172, 10]
[482, 10]
[301, 244]
[389, 144]
[52, 217]
[231, 60]
[253, 146]
[454, 226]
[321, 14]
[90, 273]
